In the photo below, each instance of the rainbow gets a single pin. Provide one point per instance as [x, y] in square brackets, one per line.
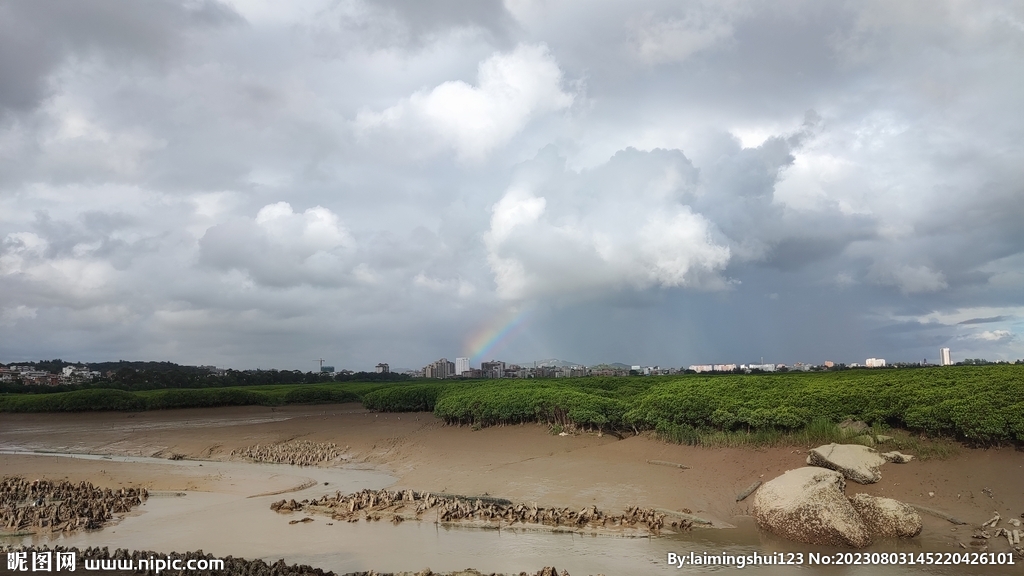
[496, 334]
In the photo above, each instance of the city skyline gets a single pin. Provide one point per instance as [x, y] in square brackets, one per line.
[246, 183]
[444, 368]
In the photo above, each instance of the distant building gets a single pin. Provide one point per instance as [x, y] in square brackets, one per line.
[609, 372]
[944, 357]
[443, 368]
[701, 368]
[875, 363]
[493, 369]
[461, 366]
[327, 369]
[383, 368]
[571, 372]
[762, 367]
[828, 364]
[723, 367]
[29, 375]
[75, 374]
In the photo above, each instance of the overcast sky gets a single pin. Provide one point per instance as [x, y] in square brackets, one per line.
[256, 183]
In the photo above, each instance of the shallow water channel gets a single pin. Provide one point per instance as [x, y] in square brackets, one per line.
[243, 525]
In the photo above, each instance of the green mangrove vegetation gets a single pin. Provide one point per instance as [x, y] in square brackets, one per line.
[978, 404]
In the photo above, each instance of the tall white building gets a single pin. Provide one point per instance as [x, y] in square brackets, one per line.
[944, 357]
[875, 362]
[461, 365]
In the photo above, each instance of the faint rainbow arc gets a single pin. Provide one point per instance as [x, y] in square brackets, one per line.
[496, 335]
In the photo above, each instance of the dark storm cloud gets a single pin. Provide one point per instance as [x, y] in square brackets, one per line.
[36, 37]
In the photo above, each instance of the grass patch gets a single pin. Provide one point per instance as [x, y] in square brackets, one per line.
[819, 432]
[921, 446]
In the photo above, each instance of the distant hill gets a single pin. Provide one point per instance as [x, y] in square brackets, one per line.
[144, 366]
[613, 366]
[55, 366]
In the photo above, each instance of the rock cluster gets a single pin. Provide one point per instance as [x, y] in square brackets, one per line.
[61, 506]
[810, 505]
[887, 517]
[854, 461]
[239, 566]
[407, 505]
[296, 452]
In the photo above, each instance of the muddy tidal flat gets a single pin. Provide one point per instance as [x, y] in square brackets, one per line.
[212, 475]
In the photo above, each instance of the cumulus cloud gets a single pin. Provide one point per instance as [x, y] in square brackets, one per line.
[511, 89]
[618, 225]
[280, 247]
[28, 259]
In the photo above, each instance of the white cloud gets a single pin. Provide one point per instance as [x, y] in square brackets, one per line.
[620, 225]
[25, 257]
[964, 315]
[990, 336]
[280, 247]
[809, 182]
[675, 251]
[518, 207]
[511, 89]
[317, 229]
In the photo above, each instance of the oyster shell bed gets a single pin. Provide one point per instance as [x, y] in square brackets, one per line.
[398, 506]
[296, 453]
[61, 506]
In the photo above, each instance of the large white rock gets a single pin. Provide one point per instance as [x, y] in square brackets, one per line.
[856, 462]
[887, 517]
[809, 505]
